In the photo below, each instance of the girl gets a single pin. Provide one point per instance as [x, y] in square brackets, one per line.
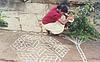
[52, 21]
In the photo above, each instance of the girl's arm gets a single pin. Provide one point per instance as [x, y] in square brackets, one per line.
[64, 20]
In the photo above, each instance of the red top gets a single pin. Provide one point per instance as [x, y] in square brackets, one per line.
[52, 16]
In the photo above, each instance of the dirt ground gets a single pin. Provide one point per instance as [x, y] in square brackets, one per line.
[91, 48]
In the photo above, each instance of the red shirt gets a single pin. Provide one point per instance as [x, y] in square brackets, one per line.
[52, 16]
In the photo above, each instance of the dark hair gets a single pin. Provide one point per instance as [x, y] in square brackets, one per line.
[63, 8]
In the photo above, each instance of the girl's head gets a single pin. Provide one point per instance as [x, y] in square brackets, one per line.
[62, 8]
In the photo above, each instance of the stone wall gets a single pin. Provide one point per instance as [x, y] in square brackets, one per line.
[17, 4]
[23, 16]
[26, 20]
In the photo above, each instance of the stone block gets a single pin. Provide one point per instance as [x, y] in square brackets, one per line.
[13, 24]
[29, 23]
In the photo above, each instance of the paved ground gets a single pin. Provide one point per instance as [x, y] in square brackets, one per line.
[32, 47]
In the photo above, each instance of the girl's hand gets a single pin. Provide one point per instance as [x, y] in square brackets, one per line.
[70, 19]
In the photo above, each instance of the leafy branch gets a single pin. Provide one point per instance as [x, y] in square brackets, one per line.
[81, 28]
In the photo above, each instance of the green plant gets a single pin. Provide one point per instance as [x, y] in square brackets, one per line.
[81, 28]
[2, 22]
